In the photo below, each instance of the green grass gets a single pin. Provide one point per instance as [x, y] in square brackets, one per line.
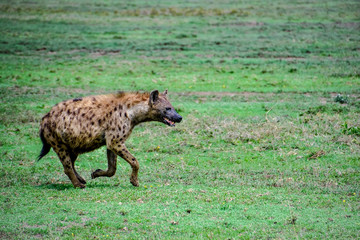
[267, 147]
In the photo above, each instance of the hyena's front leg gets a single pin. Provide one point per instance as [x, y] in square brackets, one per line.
[111, 156]
[122, 151]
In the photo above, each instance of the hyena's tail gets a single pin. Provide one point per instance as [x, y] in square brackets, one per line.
[46, 147]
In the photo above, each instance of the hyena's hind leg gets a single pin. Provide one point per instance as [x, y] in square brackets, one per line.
[111, 156]
[73, 157]
[65, 158]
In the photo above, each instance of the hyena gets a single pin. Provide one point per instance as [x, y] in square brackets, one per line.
[84, 124]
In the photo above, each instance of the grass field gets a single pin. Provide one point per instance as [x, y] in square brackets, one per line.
[269, 147]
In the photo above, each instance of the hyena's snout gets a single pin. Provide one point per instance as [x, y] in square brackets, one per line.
[177, 118]
[171, 117]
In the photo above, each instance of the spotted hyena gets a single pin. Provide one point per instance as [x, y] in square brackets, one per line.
[84, 124]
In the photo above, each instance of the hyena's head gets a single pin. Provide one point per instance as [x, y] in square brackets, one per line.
[161, 109]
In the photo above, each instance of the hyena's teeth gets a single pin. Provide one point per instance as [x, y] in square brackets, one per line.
[170, 122]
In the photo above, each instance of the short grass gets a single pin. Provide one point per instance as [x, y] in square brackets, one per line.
[267, 147]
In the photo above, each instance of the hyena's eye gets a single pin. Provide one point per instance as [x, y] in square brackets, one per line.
[168, 109]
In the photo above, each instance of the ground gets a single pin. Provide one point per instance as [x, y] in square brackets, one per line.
[269, 145]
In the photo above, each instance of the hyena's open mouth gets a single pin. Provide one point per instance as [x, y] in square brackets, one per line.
[169, 122]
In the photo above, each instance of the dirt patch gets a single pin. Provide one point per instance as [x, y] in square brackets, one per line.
[100, 53]
[322, 98]
[25, 90]
[247, 24]
[286, 58]
[247, 96]
[348, 24]
[26, 225]
[217, 96]
[5, 235]
[67, 225]
[221, 94]
[251, 94]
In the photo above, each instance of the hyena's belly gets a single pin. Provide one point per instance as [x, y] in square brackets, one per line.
[81, 143]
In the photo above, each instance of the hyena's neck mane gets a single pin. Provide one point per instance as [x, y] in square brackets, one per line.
[130, 99]
[136, 104]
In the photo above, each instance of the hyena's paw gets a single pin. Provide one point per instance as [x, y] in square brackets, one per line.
[82, 180]
[79, 185]
[134, 181]
[95, 174]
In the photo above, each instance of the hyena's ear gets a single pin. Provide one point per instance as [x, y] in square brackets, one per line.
[154, 96]
[165, 92]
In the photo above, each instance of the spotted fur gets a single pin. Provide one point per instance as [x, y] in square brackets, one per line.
[84, 124]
